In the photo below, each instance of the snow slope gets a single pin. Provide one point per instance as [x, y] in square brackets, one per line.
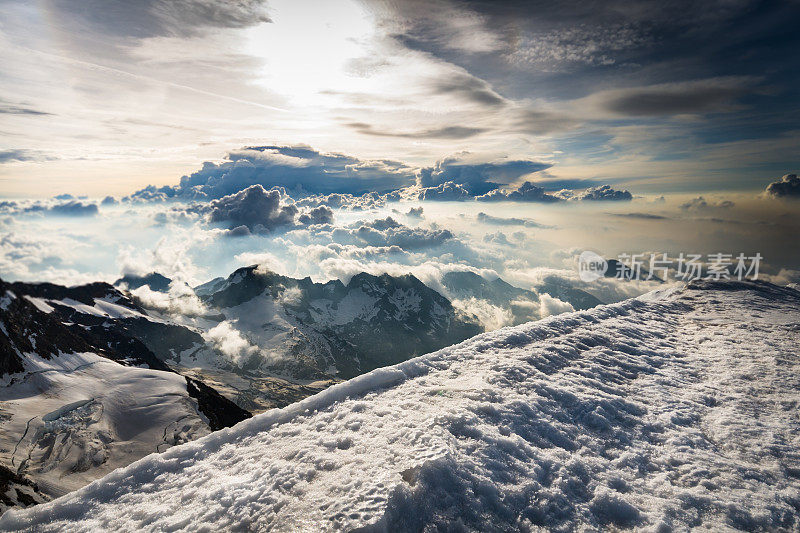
[74, 418]
[675, 410]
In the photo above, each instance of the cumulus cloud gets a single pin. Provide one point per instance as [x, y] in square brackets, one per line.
[604, 193]
[477, 176]
[229, 340]
[497, 237]
[445, 192]
[701, 204]
[490, 316]
[527, 192]
[109, 200]
[318, 215]
[786, 187]
[553, 306]
[257, 210]
[389, 232]
[179, 300]
[296, 168]
[415, 212]
[350, 202]
[56, 207]
[74, 209]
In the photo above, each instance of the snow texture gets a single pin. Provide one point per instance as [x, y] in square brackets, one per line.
[673, 411]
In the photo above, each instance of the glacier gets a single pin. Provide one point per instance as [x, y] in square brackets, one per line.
[671, 411]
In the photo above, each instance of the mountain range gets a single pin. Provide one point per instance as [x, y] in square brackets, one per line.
[674, 411]
[93, 377]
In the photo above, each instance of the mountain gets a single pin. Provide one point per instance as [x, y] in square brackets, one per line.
[308, 335]
[566, 292]
[524, 305]
[673, 411]
[619, 270]
[80, 396]
[154, 280]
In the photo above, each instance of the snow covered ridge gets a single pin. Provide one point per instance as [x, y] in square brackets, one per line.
[672, 411]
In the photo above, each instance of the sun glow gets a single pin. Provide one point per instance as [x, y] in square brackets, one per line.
[312, 50]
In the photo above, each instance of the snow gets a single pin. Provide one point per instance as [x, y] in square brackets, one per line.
[40, 304]
[6, 300]
[673, 411]
[101, 308]
[76, 417]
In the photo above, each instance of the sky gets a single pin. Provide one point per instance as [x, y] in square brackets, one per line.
[323, 138]
[104, 97]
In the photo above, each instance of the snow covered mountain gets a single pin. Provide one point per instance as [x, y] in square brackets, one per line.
[272, 339]
[470, 290]
[673, 411]
[79, 397]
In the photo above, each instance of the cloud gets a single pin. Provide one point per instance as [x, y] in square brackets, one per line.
[527, 192]
[109, 200]
[257, 210]
[475, 175]
[369, 200]
[229, 340]
[318, 215]
[553, 306]
[490, 316]
[74, 209]
[698, 96]
[447, 132]
[643, 216]
[7, 108]
[151, 18]
[701, 204]
[179, 300]
[8, 156]
[786, 187]
[501, 221]
[296, 168]
[497, 237]
[469, 88]
[445, 192]
[605, 193]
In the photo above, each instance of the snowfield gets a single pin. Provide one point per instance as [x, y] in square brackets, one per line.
[676, 410]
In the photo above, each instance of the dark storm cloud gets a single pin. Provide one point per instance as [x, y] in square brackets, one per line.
[786, 187]
[449, 132]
